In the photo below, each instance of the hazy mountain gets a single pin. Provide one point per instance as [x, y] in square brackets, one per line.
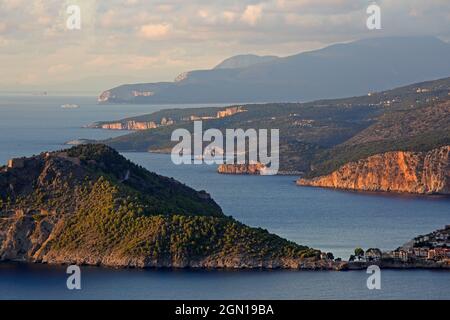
[335, 71]
[244, 61]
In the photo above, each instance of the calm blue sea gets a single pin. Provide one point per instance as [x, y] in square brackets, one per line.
[329, 220]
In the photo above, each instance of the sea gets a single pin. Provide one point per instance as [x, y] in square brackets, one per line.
[329, 220]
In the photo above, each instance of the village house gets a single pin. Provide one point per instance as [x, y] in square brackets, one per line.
[401, 254]
[421, 253]
[438, 254]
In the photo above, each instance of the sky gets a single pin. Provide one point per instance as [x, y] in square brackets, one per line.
[126, 41]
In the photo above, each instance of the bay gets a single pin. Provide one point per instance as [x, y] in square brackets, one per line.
[329, 220]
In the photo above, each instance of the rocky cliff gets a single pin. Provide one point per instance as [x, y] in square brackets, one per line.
[128, 125]
[256, 168]
[89, 205]
[411, 172]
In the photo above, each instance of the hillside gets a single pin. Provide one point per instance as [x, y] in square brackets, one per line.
[318, 137]
[89, 205]
[338, 70]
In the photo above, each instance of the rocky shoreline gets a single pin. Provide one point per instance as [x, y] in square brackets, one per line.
[397, 265]
[241, 265]
[236, 263]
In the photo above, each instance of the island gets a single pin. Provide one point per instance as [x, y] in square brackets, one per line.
[89, 205]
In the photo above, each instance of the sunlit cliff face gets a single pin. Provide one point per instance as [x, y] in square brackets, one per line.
[411, 172]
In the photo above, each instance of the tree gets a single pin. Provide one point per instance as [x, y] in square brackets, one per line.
[359, 253]
[330, 256]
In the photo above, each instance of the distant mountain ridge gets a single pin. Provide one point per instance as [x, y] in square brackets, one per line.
[244, 61]
[338, 70]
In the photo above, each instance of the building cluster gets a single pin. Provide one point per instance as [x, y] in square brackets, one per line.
[425, 249]
[431, 247]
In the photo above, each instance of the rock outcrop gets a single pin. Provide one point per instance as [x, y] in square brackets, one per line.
[401, 171]
[253, 169]
[129, 125]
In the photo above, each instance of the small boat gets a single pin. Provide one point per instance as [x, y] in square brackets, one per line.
[70, 106]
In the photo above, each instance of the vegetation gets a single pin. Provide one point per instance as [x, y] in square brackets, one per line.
[359, 253]
[109, 205]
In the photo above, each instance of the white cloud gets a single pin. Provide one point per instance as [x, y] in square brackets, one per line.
[155, 31]
[125, 35]
[59, 69]
[252, 14]
[229, 16]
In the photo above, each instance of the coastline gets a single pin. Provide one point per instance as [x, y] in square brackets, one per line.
[343, 266]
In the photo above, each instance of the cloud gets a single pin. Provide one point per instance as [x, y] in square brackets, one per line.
[229, 16]
[100, 62]
[11, 4]
[126, 35]
[252, 14]
[2, 27]
[155, 31]
[59, 69]
[29, 79]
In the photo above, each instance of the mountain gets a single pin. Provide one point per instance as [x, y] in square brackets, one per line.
[339, 70]
[89, 205]
[244, 61]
